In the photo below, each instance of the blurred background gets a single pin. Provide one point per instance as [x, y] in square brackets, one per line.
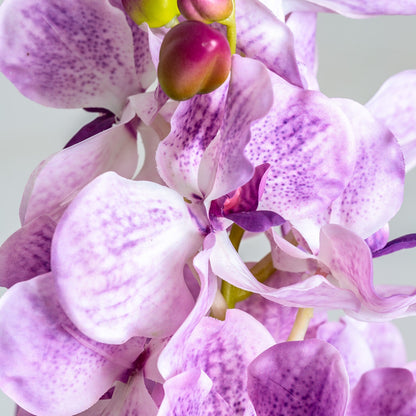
[355, 57]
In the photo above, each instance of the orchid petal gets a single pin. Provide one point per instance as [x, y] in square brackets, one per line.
[298, 378]
[58, 179]
[262, 36]
[172, 358]
[190, 393]
[47, 365]
[303, 27]
[194, 124]
[379, 239]
[375, 191]
[352, 8]
[350, 263]
[131, 399]
[352, 346]
[316, 291]
[384, 392]
[77, 54]
[118, 255]
[394, 104]
[26, 253]
[385, 341]
[400, 243]
[223, 350]
[224, 167]
[309, 144]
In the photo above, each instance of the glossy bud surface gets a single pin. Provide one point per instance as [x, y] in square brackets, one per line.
[194, 59]
[155, 13]
[206, 10]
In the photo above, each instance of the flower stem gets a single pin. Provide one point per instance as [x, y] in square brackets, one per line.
[231, 30]
[300, 326]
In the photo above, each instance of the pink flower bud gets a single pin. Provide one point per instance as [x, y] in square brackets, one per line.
[194, 59]
[206, 10]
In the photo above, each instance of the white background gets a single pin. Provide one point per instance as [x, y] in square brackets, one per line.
[355, 58]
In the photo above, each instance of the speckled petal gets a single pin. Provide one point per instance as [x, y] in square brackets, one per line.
[223, 349]
[118, 254]
[311, 149]
[57, 180]
[77, 54]
[352, 8]
[384, 392]
[47, 365]
[224, 166]
[194, 124]
[299, 378]
[26, 253]
[191, 394]
[349, 260]
[395, 105]
[375, 192]
[262, 36]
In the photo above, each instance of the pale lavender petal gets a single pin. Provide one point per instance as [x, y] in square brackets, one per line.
[58, 179]
[224, 166]
[315, 291]
[352, 8]
[26, 253]
[77, 54]
[394, 104]
[352, 346]
[400, 243]
[303, 27]
[194, 124]
[47, 365]
[223, 349]
[288, 257]
[118, 254]
[349, 260]
[190, 393]
[262, 36]
[172, 358]
[385, 340]
[276, 318]
[375, 191]
[309, 144]
[384, 392]
[299, 378]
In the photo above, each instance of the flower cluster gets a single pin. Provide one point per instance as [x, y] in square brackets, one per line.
[127, 294]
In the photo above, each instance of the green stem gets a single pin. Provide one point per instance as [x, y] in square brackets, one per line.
[303, 316]
[231, 30]
[261, 271]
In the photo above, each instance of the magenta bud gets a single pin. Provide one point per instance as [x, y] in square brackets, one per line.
[206, 11]
[194, 59]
